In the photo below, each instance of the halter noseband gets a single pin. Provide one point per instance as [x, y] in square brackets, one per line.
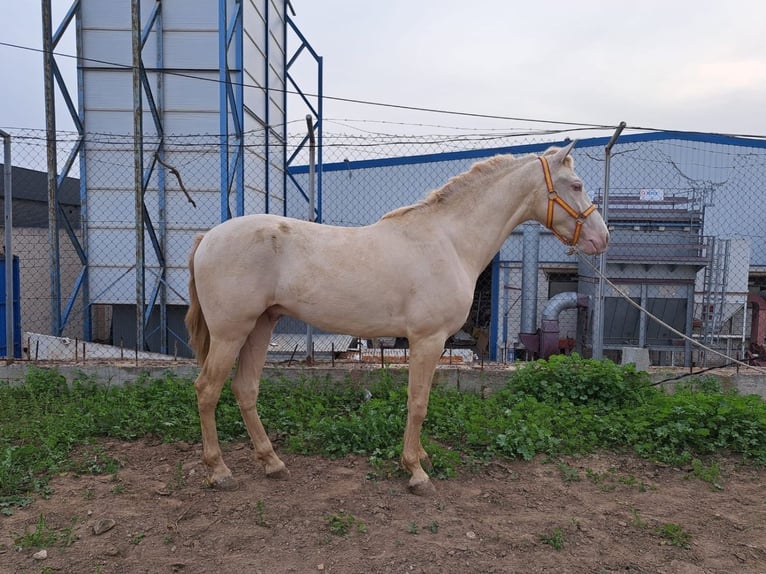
[553, 199]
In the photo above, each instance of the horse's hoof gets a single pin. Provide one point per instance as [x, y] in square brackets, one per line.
[224, 483]
[422, 488]
[279, 473]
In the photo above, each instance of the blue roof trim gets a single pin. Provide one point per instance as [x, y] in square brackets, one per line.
[535, 148]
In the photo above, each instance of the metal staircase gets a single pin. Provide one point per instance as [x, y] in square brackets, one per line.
[714, 288]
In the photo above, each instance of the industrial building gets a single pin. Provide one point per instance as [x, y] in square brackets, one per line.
[181, 113]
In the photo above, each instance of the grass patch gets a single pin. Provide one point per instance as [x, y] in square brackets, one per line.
[636, 520]
[342, 523]
[43, 536]
[554, 538]
[568, 473]
[710, 473]
[674, 535]
[260, 514]
[563, 406]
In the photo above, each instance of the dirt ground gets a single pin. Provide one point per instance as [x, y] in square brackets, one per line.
[594, 514]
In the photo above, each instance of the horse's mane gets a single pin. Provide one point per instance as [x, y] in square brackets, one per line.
[458, 182]
[455, 184]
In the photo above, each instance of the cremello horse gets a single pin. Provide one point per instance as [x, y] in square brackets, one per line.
[414, 278]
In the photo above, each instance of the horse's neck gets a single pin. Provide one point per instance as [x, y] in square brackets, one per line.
[481, 218]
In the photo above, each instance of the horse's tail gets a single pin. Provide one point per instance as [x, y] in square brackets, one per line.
[199, 335]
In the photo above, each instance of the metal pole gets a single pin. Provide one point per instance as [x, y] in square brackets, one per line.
[138, 170]
[530, 262]
[50, 129]
[598, 308]
[312, 216]
[8, 203]
[320, 130]
[161, 183]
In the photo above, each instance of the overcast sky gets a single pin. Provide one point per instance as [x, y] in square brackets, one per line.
[671, 64]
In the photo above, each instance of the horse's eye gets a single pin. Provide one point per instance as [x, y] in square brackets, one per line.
[577, 186]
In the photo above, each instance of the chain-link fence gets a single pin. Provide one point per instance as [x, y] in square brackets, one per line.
[686, 214]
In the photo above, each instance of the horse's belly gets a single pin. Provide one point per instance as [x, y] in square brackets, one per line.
[359, 316]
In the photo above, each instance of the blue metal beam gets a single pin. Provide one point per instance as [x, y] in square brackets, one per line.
[157, 238]
[73, 9]
[231, 101]
[56, 215]
[316, 110]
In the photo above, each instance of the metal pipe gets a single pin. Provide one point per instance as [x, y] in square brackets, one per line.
[530, 263]
[320, 129]
[8, 219]
[549, 322]
[562, 301]
[598, 308]
[494, 319]
[312, 214]
[312, 163]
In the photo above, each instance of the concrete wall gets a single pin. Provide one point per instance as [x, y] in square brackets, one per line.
[462, 378]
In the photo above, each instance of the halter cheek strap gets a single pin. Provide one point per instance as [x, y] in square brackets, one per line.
[554, 199]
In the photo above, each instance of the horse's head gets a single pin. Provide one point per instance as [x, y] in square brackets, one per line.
[567, 210]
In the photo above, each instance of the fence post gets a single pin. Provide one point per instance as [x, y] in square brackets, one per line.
[312, 217]
[138, 172]
[598, 309]
[8, 219]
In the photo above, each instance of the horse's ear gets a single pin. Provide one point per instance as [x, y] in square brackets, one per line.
[567, 150]
[561, 154]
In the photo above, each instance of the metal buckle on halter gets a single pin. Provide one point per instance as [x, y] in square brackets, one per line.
[553, 199]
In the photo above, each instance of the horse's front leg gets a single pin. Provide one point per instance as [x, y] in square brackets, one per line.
[424, 355]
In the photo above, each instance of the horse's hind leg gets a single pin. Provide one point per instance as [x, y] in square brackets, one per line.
[208, 385]
[245, 389]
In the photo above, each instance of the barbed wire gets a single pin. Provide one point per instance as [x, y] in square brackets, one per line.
[379, 104]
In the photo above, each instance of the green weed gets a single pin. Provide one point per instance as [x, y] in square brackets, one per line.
[709, 473]
[178, 482]
[554, 539]
[43, 536]
[675, 535]
[137, 538]
[94, 460]
[9, 503]
[606, 481]
[568, 473]
[636, 520]
[260, 513]
[342, 523]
